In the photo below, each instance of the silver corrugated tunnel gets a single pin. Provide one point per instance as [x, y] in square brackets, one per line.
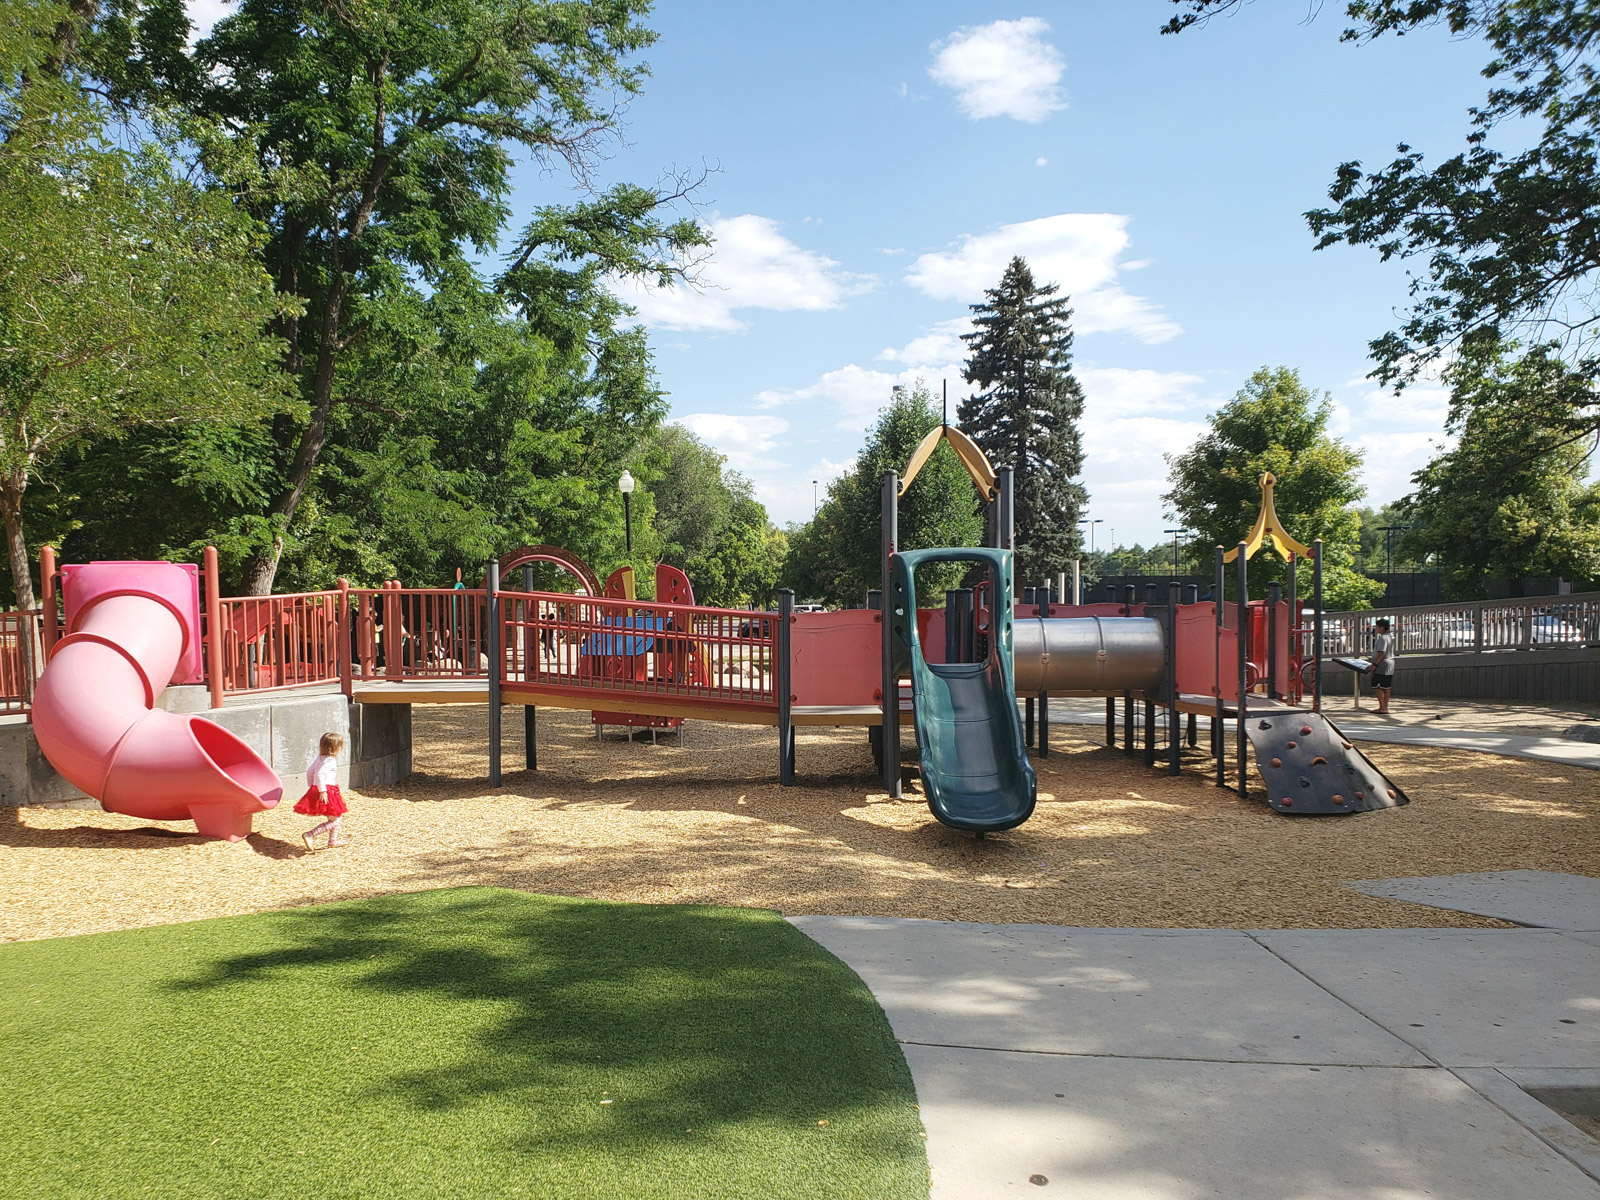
[1087, 654]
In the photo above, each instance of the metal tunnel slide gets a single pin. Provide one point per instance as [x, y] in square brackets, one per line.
[975, 767]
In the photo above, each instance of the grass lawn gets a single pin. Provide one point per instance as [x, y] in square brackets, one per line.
[474, 1042]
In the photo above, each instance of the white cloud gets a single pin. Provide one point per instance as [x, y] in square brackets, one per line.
[855, 393]
[1076, 251]
[747, 439]
[1041, 161]
[1397, 435]
[751, 265]
[1131, 418]
[1004, 69]
[941, 345]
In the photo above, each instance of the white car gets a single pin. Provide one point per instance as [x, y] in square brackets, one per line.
[1548, 630]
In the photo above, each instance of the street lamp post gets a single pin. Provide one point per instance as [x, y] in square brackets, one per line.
[625, 486]
[813, 499]
[1091, 525]
[1175, 533]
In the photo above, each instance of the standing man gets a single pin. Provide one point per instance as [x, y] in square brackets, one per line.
[1384, 658]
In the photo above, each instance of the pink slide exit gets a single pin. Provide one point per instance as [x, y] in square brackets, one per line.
[133, 628]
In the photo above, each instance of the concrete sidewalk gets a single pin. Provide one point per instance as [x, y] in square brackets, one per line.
[1108, 1064]
[1487, 728]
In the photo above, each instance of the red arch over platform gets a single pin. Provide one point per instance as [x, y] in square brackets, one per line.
[564, 559]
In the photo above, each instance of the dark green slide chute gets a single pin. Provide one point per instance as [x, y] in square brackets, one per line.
[974, 765]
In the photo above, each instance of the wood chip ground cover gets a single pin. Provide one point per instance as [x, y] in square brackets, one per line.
[1112, 843]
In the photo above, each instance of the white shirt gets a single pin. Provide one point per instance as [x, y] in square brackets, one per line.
[323, 771]
[1385, 643]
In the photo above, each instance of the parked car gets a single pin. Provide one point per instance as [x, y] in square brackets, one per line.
[761, 628]
[1548, 630]
[1438, 631]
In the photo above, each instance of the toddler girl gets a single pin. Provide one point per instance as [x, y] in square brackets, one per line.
[322, 798]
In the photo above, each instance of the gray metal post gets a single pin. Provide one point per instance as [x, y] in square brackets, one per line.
[496, 669]
[1174, 748]
[1217, 593]
[781, 681]
[530, 668]
[1044, 695]
[1241, 734]
[875, 732]
[1111, 721]
[889, 498]
[1127, 722]
[1316, 624]
[1005, 483]
[1274, 597]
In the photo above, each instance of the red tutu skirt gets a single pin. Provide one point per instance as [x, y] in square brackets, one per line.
[312, 804]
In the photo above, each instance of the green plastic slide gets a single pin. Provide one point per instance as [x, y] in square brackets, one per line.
[974, 765]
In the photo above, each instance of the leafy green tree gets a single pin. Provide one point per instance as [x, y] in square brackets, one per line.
[374, 143]
[463, 432]
[1506, 501]
[1275, 423]
[836, 557]
[710, 524]
[128, 296]
[1027, 415]
[1506, 236]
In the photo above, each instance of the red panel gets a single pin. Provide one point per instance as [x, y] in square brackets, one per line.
[837, 657]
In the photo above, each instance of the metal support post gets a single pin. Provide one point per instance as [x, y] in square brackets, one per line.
[1217, 593]
[875, 732]
[530, 665]
[1316, 624]
[1174, 749]
[1241, 734]
[1127, 723]
[496, 669]
[782, 683]
[1044, 695]
[889, 498]
[1111, 721]
[1274, 598]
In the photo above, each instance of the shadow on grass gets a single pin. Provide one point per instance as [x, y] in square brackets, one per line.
[693, 1022]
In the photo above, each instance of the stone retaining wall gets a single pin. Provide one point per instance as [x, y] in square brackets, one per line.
[284, 730]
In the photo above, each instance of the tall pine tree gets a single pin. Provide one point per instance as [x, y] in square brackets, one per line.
[1026, 416]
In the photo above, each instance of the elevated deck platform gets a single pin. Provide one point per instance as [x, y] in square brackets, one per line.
[476, 691]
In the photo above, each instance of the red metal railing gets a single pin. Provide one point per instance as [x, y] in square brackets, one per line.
[21, 656]
[418, 633]
[580, 645]
[267, 643]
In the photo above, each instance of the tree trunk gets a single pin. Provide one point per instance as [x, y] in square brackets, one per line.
[16, 542]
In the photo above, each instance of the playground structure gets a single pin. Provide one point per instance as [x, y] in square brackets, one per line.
[126, 630]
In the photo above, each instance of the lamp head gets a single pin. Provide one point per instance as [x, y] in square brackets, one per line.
[625, 484]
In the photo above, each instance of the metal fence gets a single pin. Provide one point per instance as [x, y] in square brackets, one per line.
[1477, 626]
[21, 659]
[581, 644]
[266, 643]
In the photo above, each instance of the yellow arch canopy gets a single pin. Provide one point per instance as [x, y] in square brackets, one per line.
[1268, 528]
[972, 458]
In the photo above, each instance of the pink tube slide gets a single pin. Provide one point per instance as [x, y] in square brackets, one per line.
[133, 628]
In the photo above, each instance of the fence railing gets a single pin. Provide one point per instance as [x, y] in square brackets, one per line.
[272, 642]
[612, 648]
[1533, 623]
[418, 633]
[21, 659]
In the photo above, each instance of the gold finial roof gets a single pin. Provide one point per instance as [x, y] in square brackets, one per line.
[1268, 527]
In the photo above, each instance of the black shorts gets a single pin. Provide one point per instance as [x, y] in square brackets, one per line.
[1383, 681]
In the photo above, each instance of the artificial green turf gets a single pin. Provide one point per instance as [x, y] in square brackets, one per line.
[451, 1044]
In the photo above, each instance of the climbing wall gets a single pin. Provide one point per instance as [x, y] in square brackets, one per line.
[1311, 769]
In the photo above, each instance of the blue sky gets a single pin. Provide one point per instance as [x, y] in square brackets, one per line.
[878, 163]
